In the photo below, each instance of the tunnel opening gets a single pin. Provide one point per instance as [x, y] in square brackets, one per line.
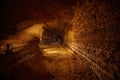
[51, 32]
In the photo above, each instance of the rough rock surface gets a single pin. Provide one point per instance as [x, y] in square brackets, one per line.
[89, 28]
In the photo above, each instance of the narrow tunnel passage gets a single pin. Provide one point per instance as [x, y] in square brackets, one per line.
[60, 40]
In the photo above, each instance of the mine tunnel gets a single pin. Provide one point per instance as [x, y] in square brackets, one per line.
[60, 40]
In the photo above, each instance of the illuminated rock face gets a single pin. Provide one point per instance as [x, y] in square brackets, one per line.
[95, 36]
[93, 32]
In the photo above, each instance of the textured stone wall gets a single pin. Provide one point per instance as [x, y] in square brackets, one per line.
[95, 36]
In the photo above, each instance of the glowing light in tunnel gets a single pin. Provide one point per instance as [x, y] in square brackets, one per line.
[50, 51]
[24, 37]
[57, 51]
[69, 38]
[33, 31]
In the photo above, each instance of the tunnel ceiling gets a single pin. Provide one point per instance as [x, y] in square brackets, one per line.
[15, 12]
[59, 15]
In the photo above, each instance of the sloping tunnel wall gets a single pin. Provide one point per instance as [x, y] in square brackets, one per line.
[94, 33]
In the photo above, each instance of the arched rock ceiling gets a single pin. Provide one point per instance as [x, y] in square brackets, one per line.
[15, 12]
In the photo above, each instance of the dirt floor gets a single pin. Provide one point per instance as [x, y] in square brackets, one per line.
[45, 62]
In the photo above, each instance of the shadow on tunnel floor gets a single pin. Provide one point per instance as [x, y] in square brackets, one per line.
[14, 66]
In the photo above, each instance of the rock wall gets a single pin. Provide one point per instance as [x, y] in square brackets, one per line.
[95, 36]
